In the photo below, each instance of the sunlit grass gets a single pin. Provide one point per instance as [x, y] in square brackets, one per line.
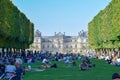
[102, 71]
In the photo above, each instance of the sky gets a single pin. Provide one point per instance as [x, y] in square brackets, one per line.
[69, 16]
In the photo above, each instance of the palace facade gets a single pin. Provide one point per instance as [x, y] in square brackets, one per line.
[60, 42]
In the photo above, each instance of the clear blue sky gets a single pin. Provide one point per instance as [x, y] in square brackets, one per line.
[68, 16]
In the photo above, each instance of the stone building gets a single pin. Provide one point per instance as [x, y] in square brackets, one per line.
[60, 42]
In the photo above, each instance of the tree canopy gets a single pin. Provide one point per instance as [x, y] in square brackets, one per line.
[104, 29]
[16, 30]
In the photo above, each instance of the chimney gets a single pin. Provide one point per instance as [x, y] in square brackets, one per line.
[78, 33]
[55, 33]
[64, 33]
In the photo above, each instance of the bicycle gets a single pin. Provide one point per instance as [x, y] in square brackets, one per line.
[8, 76]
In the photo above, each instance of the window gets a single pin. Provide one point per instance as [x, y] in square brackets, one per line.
[43, 46]
[36, 40]
[66, 46]
[86, 40]
[59, 46]
[75, 46]
[48, 46]
[52, 46]
[75, 40]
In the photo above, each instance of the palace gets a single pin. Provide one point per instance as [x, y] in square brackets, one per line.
[60, 42]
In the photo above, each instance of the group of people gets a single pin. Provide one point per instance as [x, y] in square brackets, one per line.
[11, 68]
[86, 63]
[111, 60]
[13, 65]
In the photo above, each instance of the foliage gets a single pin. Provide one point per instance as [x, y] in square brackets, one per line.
[15, 29]
[104, 29]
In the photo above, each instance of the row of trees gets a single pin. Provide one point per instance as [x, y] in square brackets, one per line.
[16, 31]
[104, 29]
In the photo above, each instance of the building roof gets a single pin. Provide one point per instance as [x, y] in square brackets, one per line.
[37, 33]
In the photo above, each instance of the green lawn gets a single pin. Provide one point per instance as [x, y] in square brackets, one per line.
[102, 71]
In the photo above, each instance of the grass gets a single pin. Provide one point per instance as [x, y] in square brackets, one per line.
[102, 71]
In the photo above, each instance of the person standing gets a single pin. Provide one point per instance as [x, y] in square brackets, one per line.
[19, 71]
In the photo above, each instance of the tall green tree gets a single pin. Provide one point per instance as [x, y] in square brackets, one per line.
[104, 29]
[16, 30]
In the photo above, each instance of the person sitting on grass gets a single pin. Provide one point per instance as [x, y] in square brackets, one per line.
[115, 76]
[73, 63]
[89, 63]
[83, 66]
[10, 70]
